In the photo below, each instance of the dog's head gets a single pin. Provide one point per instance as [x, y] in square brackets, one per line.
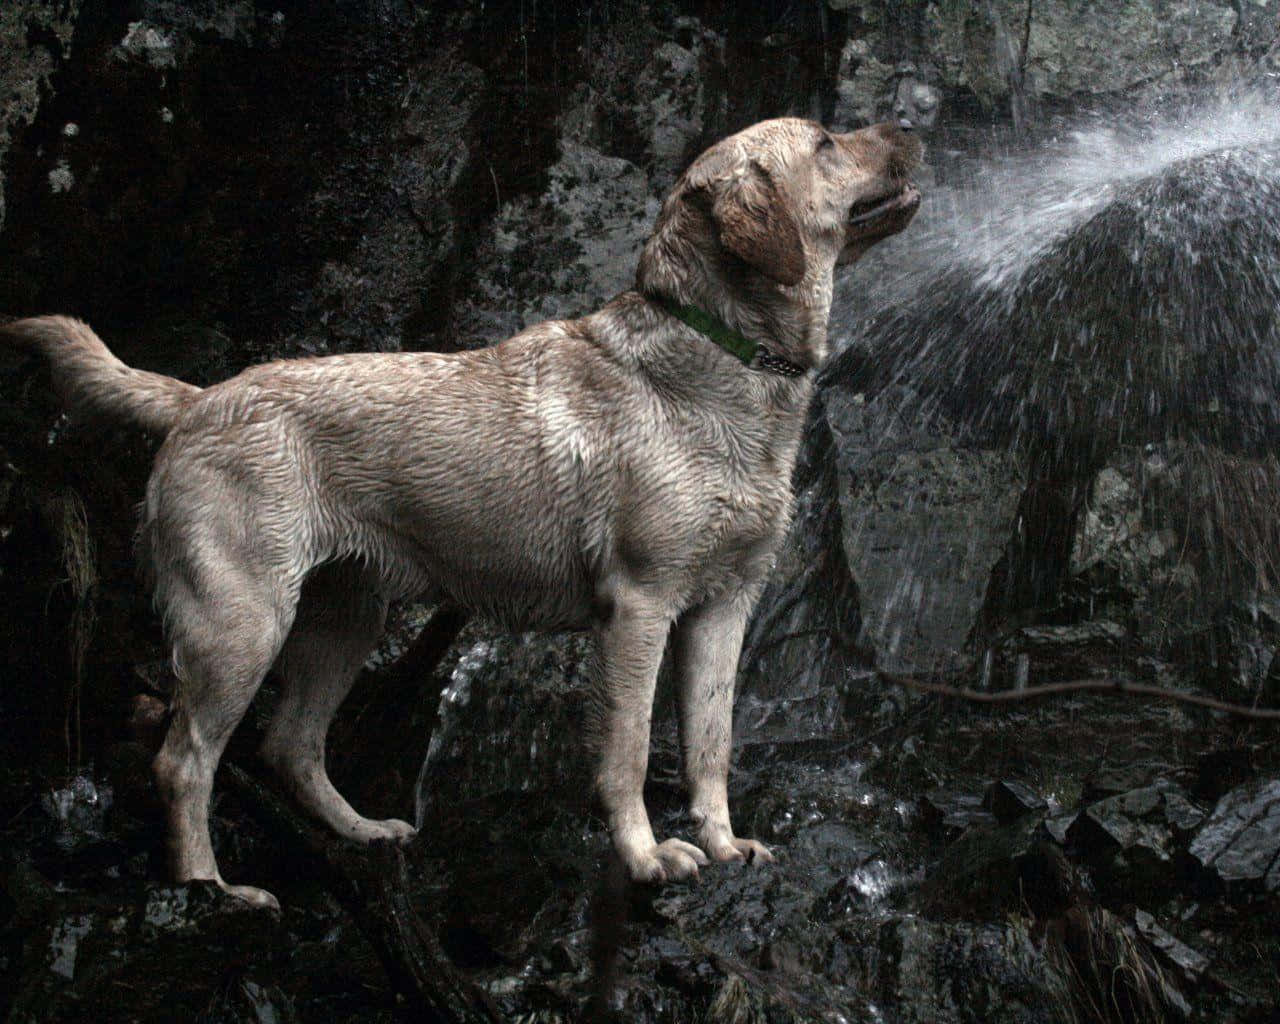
[780, 204]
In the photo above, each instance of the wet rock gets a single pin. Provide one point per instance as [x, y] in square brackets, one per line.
[1111, 46]
[914, 99]
[79, 811]
[1070, 422]
[1112, 531]
[1239, 845]
[819, 808]
[1009, 799]
[1222, 769]
[671, 114]
[37, 36]
[84, 950]
[932, 972]
[1190, 964]
[953, 813]
[565, 252]
[1113, 780]
[1174, 579]
[925, 519]
[803, 638]
[185, 908]
[510, 720]
[371, 296]
[864, 86]
[868, 885]
[815, 718]
[1035, 655]
[252, 1002]
[1131, 839]
[1058, 827]
[1107, 967]
[982, 868]
[1073, 50]
[148, 44]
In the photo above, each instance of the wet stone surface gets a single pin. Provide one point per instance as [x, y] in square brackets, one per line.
[893, 898]
[947, 866]
[1131, 837]
[1239, 845]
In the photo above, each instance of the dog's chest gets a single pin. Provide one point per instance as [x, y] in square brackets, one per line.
[714, 517]
[746, 522]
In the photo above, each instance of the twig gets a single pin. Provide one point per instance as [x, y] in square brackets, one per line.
[785, 638]
[785, 602]
[1114, 687]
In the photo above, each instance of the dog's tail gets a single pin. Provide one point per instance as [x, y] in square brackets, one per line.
[89, 378]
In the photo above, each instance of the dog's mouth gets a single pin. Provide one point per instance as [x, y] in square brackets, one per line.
[882, 215]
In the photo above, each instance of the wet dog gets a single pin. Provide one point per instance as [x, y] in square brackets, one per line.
[627, 472]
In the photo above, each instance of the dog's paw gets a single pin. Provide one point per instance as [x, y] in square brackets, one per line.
[366, 830]
[668, 861]
[257, 898]
[721, 845]
[747, 850]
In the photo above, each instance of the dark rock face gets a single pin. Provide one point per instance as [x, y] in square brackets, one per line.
[180, 149]
[1116, 330]
[1132, 834]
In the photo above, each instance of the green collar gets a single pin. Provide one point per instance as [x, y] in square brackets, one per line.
[747, 352]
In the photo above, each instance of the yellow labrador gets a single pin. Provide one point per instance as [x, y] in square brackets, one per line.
[624, 472]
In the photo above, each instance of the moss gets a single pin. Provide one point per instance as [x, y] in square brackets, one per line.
[34, 36]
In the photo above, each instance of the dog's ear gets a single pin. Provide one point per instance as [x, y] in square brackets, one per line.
[755, 225]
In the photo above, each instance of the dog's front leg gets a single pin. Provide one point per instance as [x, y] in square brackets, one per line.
[708, 642]
[630, 642]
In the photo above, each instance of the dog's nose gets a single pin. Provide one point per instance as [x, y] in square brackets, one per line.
[905, 124]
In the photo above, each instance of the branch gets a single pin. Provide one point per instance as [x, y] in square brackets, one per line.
[371, 883]
[1113, 687]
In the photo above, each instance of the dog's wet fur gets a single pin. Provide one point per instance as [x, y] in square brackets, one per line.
[619, 472]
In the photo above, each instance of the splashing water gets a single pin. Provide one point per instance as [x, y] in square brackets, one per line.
[1119, 287]
[1001, 211]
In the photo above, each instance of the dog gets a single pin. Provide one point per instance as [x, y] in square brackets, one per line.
[626, 472]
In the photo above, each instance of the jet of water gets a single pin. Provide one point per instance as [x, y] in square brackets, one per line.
[996, 214]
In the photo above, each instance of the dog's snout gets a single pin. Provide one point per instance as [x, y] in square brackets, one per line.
[890, 132]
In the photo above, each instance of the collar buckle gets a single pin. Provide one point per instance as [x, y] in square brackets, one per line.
[767, 360]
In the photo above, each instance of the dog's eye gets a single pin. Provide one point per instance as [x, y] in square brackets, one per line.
[825, 142]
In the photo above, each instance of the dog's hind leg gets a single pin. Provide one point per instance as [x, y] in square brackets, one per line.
[339, 621]
[227, 624]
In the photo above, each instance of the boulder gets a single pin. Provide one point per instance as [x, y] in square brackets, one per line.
[1238, 846]
[1131, 840]
[925, 518]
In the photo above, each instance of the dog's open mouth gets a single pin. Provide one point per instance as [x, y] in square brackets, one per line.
[873, 216]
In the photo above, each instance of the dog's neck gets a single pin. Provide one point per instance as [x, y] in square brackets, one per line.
[791, 321]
